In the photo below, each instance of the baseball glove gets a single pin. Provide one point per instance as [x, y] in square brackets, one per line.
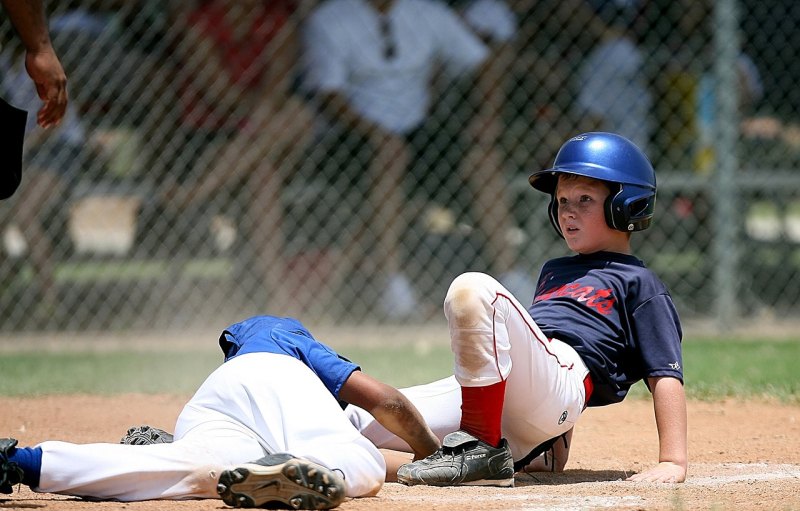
[146, 435]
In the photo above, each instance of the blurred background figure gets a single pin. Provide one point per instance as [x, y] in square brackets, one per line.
[373, 65]
[53, 158]
[243, 129]
[611, 84]
[44, 68]
[41, 62]
[345, 159]
[485, 163]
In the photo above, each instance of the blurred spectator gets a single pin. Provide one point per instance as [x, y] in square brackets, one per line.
[45, 70]
[120, 53]
[612, 87]
[493, 20]
[483, 165]
[675, 38]
[41, 62]
[682, 41]
[53, 158]
[120, 84]
[244, 130]
[373, 64]
[550, 43]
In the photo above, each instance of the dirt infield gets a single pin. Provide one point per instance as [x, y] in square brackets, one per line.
[743, 456]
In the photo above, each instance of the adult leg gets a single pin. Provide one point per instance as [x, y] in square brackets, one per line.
[387, 192]
[33, 200]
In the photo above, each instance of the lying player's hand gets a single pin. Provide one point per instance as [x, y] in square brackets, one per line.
[664, 472]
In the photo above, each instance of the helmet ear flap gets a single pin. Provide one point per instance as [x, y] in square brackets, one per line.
[553, 214]
[630, 209]
[612, 218]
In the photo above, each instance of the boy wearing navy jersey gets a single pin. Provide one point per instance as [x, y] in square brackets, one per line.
[600, 322]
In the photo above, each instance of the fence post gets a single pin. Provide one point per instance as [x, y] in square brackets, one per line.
[725, 192]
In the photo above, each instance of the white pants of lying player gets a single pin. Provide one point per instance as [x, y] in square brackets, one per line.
[496, 338]
[251, 405]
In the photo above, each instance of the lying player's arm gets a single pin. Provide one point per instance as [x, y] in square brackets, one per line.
[669, 405]
[553, 460]
[392, 410]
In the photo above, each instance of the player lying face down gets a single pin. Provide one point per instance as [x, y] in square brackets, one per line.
[266, 428]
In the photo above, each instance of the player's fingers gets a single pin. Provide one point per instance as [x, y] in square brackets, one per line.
[51, 85]
[54, 108]
[653, 478]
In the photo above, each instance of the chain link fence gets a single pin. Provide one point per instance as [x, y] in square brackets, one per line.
[343, 160]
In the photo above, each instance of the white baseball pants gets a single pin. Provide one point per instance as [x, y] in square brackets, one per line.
[251, 405]
[494, 337]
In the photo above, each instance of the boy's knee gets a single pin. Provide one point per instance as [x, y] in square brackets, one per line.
[466, 301]
[464, 308]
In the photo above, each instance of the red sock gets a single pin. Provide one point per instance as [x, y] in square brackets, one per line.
[481, 411]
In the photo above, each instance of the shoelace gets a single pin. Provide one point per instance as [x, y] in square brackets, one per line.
[7, 468]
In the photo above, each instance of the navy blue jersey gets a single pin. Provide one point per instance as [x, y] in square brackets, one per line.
[616, 314]
[287, 336]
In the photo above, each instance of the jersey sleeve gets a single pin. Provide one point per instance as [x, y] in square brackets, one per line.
[460, 49]
[330, 367]
[492, 19]
[287, 336]
[657, 329]
[325, 67]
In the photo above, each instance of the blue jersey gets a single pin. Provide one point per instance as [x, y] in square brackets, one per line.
[616, 314]
[287, 336]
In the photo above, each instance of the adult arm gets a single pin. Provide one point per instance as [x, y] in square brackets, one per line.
[669, 405]
[41, 61]
[392, 410]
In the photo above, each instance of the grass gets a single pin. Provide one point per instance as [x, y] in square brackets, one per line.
[754, 368]
[104, 372]
[714, 369]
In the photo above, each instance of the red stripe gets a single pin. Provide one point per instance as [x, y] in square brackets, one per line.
[494, 342]
[533, 330]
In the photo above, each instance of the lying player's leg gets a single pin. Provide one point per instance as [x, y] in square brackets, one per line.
[178, 470]
[286, 406]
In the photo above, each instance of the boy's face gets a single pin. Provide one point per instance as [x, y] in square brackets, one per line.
[581, 216]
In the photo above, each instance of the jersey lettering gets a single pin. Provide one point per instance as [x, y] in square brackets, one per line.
[600, 300]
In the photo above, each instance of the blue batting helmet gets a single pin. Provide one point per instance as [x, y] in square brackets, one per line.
[613, 159]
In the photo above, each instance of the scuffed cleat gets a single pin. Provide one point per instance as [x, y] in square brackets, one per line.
[146, 435]
[281, 481]
[463, 460]
[10, 473]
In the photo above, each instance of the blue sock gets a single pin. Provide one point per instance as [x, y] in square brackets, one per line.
[29, 460]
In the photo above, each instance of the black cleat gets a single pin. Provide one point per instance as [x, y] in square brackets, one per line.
[463, 460]
[281, 481]
[10, 473]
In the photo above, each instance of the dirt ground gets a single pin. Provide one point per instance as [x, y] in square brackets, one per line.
[743, 456]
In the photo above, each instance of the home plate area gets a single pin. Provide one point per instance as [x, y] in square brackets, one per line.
[710, 486]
